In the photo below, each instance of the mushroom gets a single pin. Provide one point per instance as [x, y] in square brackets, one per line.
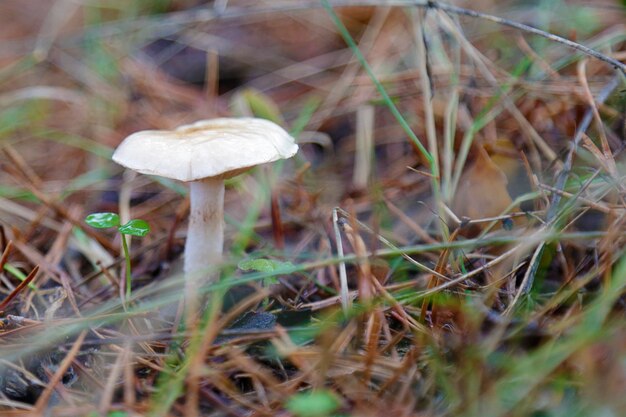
[205, 153]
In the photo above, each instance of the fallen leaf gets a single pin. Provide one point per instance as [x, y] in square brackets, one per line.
[482, 190]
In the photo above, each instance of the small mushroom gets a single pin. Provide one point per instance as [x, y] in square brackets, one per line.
[205, 153]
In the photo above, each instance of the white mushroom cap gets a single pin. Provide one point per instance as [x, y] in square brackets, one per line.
[208, 148]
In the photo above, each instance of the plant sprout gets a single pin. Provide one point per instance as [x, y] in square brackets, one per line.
[135, 227]
[317, 403]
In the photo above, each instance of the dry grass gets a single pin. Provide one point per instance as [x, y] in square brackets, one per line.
[449, 239]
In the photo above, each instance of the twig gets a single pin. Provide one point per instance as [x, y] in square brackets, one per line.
[526, 28]
[343, 275]
[390, 245]
[606, 158]
[419, 231]
[19, 288]
[596, 206]
[5, 255]
[364, 143]
[561, 180]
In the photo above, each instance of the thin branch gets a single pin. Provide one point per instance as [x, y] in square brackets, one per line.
[582, 128]
[20, 287]
[343, 275]
[526, 28]
[559, 187]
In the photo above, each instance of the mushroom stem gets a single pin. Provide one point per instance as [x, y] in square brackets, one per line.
[205, 234]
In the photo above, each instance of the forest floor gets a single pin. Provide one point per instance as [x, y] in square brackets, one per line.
[448, 241]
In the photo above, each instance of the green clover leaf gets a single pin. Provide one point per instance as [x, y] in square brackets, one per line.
[103, 220]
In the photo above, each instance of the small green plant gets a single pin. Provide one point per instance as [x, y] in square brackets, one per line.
[264, 265]
[318, 403]
[135, 227]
